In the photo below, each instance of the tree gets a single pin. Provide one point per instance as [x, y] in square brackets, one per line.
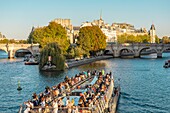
[53, 50]
[124, 38]
[165, 40]
[71, 52]
[78, 52]
[52, 33]
[91, 38]
[157, 39]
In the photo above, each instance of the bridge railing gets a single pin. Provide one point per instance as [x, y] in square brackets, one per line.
[143, 44]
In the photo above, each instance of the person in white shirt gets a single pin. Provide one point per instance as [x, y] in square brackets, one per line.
[55, 106]
[29, 105]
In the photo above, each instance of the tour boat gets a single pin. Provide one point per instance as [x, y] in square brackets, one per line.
[167, 64]
[86, 93]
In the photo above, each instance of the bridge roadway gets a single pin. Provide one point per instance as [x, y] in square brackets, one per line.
[12, 48]
[136, 49]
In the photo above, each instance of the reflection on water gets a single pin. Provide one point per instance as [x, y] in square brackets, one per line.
[51, 74]
[154, 55]
[97, 64]
[3, 54]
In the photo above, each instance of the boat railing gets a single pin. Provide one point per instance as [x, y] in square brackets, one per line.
[98, 108]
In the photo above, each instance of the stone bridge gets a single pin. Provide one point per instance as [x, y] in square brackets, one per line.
[137, 49]
[12, 48]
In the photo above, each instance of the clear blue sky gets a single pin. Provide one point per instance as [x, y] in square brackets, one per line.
[18, 16]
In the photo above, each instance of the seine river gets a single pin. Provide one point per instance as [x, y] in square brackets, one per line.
[145, 84]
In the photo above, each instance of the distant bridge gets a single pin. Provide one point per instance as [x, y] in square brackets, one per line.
[137, 49]
[12, 48]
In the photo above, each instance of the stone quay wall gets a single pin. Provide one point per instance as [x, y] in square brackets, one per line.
[74, 63]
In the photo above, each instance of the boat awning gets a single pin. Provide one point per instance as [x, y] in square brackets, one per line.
[75, 98]
[79, 90]
[94, 80]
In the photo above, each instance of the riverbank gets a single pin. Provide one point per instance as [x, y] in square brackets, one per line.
[74, 63]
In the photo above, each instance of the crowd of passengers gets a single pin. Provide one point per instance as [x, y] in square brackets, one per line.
[95, 91]
[52, 97]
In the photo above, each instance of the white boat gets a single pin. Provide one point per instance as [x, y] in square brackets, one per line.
[167, 64]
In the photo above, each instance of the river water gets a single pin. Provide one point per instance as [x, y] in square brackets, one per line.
[145, 84]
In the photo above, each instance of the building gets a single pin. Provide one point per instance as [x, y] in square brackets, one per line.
[76, 30]
[110, 34]
[66, 23]
[152, 33]
[129, 29]
[105, 28]
[2, 37]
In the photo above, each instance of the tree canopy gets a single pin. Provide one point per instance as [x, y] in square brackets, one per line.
[166, 40]
[91, 38]
[57, 59]
[10, 41]
[124, 38]
[133, 39]
[52, 33]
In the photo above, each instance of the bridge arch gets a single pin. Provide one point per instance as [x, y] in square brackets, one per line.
[125, 51]
[22, 52]
[147, 51]
[165, 49]
[3, 50]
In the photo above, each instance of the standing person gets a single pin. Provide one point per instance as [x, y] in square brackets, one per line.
[42, 104]
[55, 106]
[29, 106]
[103, 72]
[69, 106]
[67, 101]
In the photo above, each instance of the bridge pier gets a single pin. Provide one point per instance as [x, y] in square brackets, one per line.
[10, 54]
[116, 54]
[159, 55]
[136, 55]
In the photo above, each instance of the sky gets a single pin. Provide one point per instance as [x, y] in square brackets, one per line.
[18, 16]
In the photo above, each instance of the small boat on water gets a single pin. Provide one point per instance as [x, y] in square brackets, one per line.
[167, 64]
[31, 62]
[27, 57]
[87, 92]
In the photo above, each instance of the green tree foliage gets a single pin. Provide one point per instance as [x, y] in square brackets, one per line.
[53, 50]
[157, 39]
[10, 41]
[78, 51]
[166, 40]
[91, 38]
[52, 33]
[71, 52]
[133, 39]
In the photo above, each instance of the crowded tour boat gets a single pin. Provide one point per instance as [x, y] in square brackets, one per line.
[86, 92]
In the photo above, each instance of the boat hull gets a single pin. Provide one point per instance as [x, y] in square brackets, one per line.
[31, 63]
